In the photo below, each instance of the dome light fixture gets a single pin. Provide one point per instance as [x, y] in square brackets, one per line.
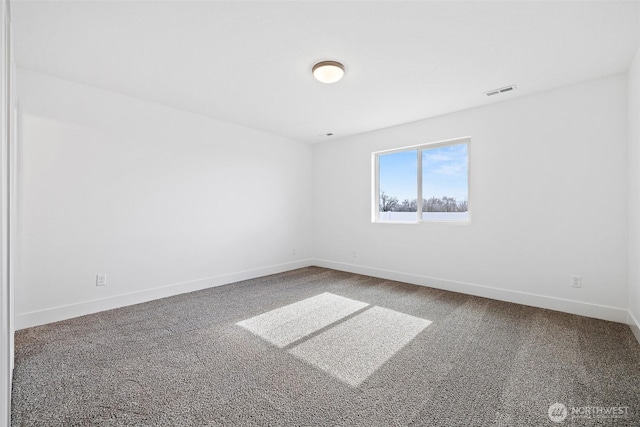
[328, 71]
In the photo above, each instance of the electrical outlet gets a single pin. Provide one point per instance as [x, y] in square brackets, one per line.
[101, 280]
[355, 254]
[576, 281]
[294, 252]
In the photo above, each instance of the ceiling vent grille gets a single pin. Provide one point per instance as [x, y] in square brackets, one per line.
[501, 90]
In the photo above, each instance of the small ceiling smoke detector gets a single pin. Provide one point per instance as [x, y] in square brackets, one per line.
[328, 71]
[501, 90]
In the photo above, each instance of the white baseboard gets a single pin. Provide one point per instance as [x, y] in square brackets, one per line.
[41, 317]
[634, 324]
[35, 318]
[597, 311]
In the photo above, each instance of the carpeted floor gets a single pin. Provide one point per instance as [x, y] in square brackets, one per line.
[317, 347]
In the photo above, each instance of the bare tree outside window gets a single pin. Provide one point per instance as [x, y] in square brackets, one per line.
[387, 203]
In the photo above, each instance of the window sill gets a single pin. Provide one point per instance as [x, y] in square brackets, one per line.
[457, 222]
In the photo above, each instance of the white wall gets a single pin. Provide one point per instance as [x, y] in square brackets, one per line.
[634, 195]
[548, 199]
[165, 201]
[162, 201]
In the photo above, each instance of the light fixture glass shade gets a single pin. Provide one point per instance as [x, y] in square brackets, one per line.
[328, 71]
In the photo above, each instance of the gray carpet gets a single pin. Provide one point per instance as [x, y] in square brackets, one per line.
[316, 347]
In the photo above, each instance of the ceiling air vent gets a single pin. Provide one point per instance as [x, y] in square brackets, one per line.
[501, 90]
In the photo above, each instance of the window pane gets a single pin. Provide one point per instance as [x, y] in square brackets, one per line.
[445, 183]
[398, 186]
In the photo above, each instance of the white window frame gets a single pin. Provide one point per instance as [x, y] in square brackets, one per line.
[375, 179]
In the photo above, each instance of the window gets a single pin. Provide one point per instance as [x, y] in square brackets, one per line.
[425, 183]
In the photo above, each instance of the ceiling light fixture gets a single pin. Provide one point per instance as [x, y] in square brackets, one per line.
[328, 71]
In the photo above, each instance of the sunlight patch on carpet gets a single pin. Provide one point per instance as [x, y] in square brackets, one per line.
[351, 350]
[294, 321]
